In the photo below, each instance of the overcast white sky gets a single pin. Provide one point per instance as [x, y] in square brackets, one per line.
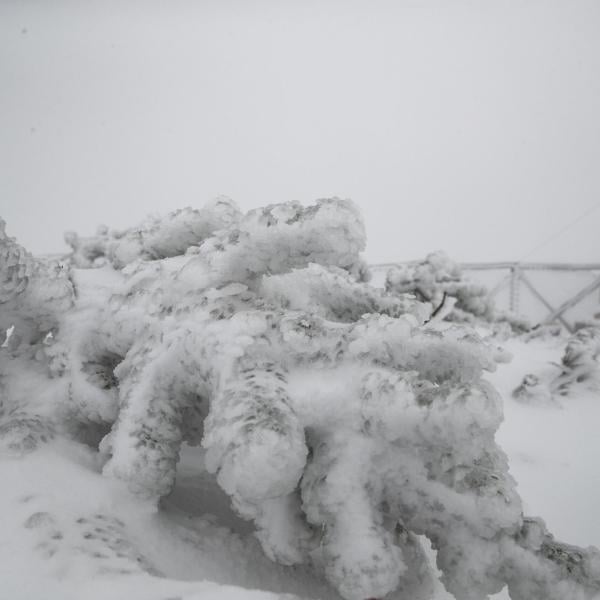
[470, 126]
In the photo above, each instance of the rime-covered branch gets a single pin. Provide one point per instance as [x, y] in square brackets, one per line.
[440, 282]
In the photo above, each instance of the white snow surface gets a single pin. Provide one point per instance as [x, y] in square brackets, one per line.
[68, 533]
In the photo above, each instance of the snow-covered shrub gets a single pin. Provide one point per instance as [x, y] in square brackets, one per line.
[435, 279]
[534, 390]
[544, 331]
[439, 281]
[154, 238]
[579, 368]
[33, 292]
[333, 419]
[580, 362]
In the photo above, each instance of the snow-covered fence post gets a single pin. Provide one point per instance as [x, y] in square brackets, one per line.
[515, 279]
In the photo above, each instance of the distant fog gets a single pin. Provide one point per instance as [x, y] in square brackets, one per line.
[469, 126]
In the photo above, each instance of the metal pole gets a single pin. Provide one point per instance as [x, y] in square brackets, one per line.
[515, 276]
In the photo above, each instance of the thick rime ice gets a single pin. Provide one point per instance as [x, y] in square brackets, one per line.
[439, 281]
[155, 238]
[580, 362]
[579, 369]
[334, 420]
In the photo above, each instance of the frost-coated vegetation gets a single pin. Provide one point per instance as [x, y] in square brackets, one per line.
[579, 369]
[337, 422]
[439, 281]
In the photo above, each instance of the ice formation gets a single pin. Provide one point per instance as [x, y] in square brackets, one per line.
[439, 280]
[334, 420]
[579, 368]
[581, 360]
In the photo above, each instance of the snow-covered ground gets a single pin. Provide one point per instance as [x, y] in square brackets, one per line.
[68, 533]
